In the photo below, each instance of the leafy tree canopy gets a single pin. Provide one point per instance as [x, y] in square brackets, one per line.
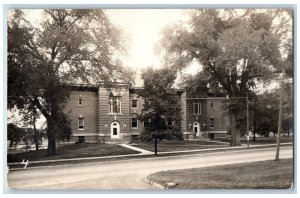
[68, 46]
[162, 101]
[236, 48]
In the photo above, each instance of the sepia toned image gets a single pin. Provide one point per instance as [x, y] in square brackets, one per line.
[150, 99]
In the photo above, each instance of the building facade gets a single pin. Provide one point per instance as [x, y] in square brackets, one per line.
[99, 114]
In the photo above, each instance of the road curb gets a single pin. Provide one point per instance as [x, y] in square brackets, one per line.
[157, 185]
[133, 156]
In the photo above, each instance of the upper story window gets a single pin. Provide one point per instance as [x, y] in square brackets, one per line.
[134, 103]
[211, 104]
[80, 101]
[196, 107]
[115, 104]
[80, 123]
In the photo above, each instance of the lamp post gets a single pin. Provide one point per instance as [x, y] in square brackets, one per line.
[248, 138]
[279, 118]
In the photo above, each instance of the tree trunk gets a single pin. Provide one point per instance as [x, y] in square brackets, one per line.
[51, 146]
[254, 127]
[51, 139]
[36, 139]
[235, 131]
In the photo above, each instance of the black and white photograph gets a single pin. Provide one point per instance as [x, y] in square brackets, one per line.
[153, 99]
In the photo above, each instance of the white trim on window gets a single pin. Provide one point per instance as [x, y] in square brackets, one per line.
[134, 116]
[211, 122]
[136, 104]
[197, 107]
[80, 125]
[118, 102]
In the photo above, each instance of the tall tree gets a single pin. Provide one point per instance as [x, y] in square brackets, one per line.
[237, 49]
[162, 103]
[68, 46]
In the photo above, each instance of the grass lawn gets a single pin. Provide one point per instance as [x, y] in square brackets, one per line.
[73, 151]
[165, 145]
[260, 140]
[254, 175]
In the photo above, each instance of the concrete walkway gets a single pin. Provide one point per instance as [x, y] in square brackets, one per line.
[145, 152]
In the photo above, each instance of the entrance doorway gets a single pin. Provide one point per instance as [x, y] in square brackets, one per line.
[196, 128]
[115, 130]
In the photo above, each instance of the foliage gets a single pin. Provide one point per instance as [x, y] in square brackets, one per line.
[162, 103]
[68, 46]
[27, 136]
[14, 135]
[237, 49]
[266, 111]
[168, 134]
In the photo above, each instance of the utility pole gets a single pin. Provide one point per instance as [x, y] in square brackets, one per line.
[279, 119]
[248, 137]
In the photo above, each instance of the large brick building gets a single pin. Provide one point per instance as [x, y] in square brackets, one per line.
[102, 115]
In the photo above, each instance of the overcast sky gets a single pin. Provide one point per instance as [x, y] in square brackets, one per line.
[143, 28]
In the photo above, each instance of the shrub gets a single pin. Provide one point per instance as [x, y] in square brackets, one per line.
[163, 134]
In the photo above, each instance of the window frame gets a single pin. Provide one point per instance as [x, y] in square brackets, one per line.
[79, 126]
[148, 121]
[170, 121]
[211, 122]
[137, 121]
[198, 102]
[133, 103]
[111, 105]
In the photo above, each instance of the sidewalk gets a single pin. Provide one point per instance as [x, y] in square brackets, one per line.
[143, 154]
[137, 149]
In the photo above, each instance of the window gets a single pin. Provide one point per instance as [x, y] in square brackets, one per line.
[81, 139]
[134, 121]
[211, 124]
[80, 101]
[115, 104]
[80, 123]
[170, 122]
[134, 104]
[211, 104]
[197, 107]
[146, 123]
